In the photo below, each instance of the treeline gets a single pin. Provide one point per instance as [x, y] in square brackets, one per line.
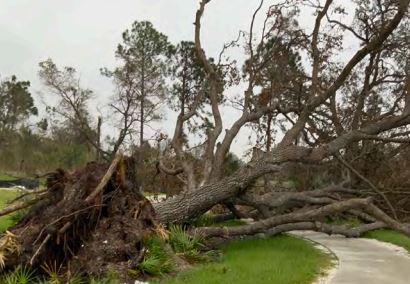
[30, 147]
[25, 152]
[151, 72]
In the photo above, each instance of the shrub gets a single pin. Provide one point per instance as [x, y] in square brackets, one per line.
[189, 245]
[181, 241]
[157, 260]
[21, 275]
[77, 279]
[204, 220]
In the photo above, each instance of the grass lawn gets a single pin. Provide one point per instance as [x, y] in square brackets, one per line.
[6, 177]
[390, 236]
[281, 259]
[6, 195]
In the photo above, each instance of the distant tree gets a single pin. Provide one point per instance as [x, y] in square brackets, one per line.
[72, 118]
[140, 79]
[188, 77]
[282, 78]
[42, 125]
[125, 104]
[187, 74]
[16, 103]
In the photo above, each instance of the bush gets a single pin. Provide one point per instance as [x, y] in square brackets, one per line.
[204, 220]
[189, 245]
[21, 275]
[181, 241]
[156, 260]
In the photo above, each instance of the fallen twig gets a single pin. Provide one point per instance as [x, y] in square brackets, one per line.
[20, 205]
[28, 193]
[39, 249]
[105, 179]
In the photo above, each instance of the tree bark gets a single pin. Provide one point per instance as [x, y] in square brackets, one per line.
[190, 204]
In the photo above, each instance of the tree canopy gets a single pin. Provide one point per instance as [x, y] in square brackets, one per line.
[16, 103]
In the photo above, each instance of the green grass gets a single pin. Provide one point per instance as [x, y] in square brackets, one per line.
[6, 195]
[390, 236]
[384, 235]
[281, 259]
[6, 177]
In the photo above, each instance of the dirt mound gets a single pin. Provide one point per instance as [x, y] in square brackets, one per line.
[88, 222]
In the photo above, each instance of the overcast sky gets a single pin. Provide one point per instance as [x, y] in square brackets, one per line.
[84, 34]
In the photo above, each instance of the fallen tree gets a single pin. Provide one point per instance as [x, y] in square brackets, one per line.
[95, 219]
[316, 105]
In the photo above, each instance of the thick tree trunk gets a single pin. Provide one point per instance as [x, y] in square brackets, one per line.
[190, 204]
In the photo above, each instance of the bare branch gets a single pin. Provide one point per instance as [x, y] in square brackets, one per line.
[371, 46]
[310, 215]
[372, 186]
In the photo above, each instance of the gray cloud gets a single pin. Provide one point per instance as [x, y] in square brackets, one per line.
[84, 34]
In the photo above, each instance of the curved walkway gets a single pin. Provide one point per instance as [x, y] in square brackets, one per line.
[363, 260]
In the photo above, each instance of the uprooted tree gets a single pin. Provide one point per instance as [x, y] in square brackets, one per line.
[329, 111]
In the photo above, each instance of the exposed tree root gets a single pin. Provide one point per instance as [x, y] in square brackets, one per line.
[88, 222]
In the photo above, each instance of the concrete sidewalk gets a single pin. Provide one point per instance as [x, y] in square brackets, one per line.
[364, 261]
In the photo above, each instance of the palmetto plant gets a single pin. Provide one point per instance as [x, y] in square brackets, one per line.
[189, 245]
[183, 242]
[53, 271]
[157, 260]
[21, 275]
[8, 245]
[77, 279]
